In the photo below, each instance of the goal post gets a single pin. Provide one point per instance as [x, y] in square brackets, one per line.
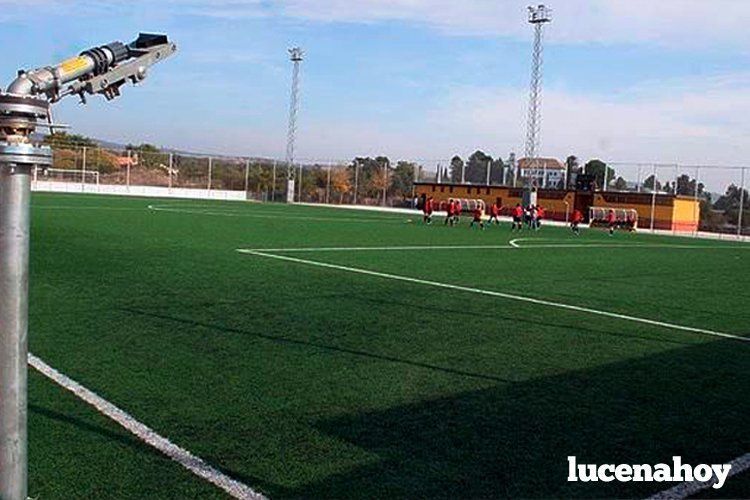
[66, 175]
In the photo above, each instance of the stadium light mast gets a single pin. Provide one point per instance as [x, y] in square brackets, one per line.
[295, 55]
[538, 17]
[25, 106]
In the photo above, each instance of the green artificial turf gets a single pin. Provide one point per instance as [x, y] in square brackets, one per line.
[304, 381]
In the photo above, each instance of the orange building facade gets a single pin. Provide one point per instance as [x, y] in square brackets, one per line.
[674, 213]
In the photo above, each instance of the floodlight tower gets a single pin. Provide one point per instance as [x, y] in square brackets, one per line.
[295, 55]
[538, 17]
[24, 107]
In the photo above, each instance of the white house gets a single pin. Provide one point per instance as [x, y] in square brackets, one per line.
[542, 172]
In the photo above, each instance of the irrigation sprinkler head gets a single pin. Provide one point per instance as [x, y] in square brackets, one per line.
[26, 105]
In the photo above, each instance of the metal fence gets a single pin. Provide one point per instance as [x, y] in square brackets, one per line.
[720, 191]
[367, 181]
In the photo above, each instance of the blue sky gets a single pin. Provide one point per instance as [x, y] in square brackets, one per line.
[625, 80]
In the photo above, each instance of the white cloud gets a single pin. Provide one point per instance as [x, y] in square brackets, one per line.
[696, 123]
[676, 23]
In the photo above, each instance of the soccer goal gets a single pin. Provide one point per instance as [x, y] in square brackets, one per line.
[624, 217]
[66, 175]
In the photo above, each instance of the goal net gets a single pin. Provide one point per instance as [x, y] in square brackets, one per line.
[624, 217]
[67, 175]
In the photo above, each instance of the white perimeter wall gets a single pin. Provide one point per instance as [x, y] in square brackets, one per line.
[151, 191]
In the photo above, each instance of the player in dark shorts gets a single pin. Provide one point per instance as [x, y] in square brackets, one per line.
[577, 219]
[456, 211]
[477, 219]
[517, 218]
[631, 222]
[539, 216]
[427, 211]
[449, 215]
[494, 214]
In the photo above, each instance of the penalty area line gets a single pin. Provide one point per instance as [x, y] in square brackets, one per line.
[194, 464]
[509, 296]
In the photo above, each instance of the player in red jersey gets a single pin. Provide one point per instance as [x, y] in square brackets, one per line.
[477, 213]
[539, 216]
[427, 211]
[456, 211]
[577, 219]
[494, 213]
[449, 213]
[631, 222]
[517, 218]
[611, 221]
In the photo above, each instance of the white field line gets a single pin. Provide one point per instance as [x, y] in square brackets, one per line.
[503, 295]
[688, 489]
[85, 207]
[281, 215]
[180, 455]
[509, 246]
[378, 249]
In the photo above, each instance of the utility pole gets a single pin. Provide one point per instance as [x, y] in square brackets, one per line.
[538, 17]
[295, 55]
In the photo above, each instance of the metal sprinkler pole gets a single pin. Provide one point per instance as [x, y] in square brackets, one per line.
[15, 196]
[24, 107]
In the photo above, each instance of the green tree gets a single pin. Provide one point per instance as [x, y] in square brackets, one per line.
[572, 168]
[649, 183]
[69, 141]
[402, 179]
[599, 170]
[457, 164]
[731, 199]
[370, 176]
[476, 167]
[620, 184]
[686, 186]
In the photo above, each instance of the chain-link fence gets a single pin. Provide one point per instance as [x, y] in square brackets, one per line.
[720, 192]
